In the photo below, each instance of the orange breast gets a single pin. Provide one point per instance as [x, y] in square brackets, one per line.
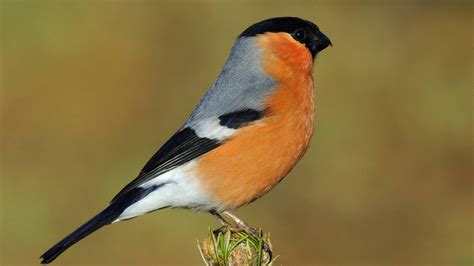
[256, 158]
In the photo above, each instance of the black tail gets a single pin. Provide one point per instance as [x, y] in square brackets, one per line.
[105, 217]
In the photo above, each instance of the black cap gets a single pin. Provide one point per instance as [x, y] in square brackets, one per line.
[304, 31]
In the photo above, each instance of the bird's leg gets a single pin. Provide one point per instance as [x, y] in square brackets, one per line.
[243, 226]
[225, 224]
[219, 218]
[240, 225]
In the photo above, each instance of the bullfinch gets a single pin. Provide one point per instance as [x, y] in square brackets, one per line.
[246, 133]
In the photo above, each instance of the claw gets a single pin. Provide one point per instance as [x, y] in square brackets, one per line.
[222, 229]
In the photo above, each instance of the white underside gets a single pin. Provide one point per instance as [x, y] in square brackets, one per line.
[181, 190]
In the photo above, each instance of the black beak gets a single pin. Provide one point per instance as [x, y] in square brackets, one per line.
[322, 42]
[318, 42]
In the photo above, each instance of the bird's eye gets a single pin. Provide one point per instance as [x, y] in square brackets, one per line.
[299, 35]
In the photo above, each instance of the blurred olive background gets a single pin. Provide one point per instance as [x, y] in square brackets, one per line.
[90, 90]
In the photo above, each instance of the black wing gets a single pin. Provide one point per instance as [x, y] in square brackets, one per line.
[182, 147]
[185, 146]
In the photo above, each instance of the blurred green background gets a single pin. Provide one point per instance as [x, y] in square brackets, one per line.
[90, 90]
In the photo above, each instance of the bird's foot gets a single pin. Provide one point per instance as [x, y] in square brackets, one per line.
[236, 229]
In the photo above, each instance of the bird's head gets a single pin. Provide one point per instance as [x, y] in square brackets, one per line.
[303, 32]
[290, 43]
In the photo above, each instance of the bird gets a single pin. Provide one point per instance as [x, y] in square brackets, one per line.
[243, 137]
